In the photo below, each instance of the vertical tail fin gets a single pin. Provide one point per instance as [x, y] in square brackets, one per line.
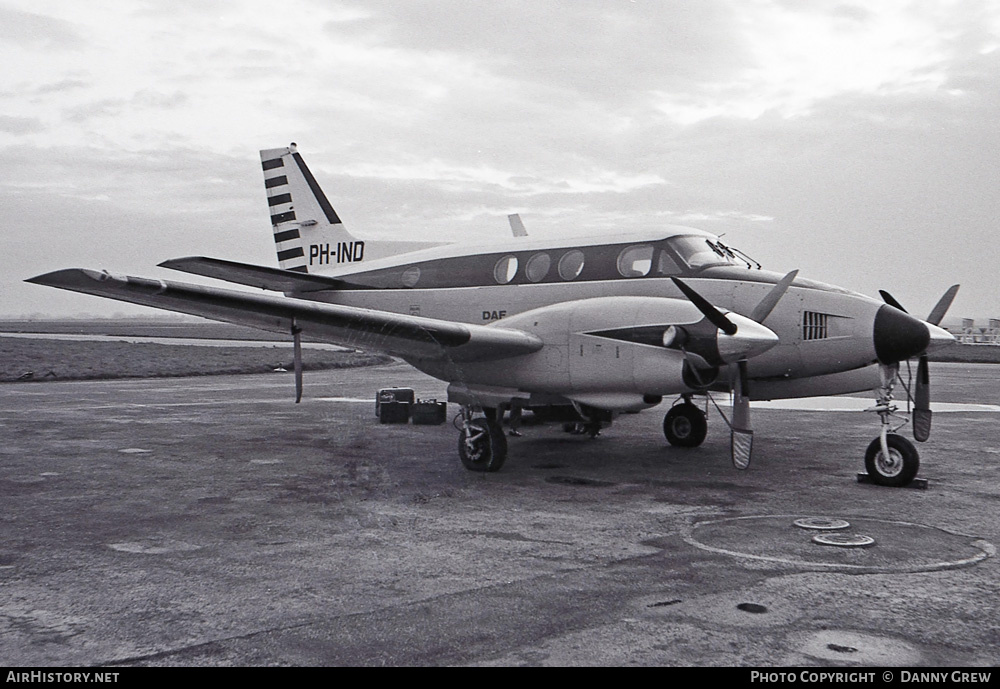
[308, 234]
[300, 211]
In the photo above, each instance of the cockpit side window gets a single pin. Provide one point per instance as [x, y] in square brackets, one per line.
[635, 261]
[666, 265]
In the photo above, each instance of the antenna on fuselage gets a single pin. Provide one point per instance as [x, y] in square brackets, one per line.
[516, 226]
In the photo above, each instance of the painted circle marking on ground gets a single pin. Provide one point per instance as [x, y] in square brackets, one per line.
[822, 523]
[154, 546]
[903, 546]
[844, 540]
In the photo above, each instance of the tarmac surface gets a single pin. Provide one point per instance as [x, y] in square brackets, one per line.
[212, 521]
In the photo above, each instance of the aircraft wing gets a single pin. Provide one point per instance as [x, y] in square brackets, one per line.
[409, 337]
[265, 277]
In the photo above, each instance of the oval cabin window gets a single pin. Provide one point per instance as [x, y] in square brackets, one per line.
[571, 265]
[538, 267]
[505, 270]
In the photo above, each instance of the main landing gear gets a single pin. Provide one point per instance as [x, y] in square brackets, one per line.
[482, 445]
[891, 459]
[685, 425]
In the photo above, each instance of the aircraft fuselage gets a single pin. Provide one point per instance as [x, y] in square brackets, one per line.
[823, 329]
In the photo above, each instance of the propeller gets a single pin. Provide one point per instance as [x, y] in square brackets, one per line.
[742, 431]
[771, 299]
[714, 316]
[922, 391]
[297, 349]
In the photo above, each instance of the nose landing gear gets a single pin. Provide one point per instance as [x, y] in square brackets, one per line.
[891, 459]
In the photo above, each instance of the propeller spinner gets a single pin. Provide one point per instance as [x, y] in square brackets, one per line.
[899, 336]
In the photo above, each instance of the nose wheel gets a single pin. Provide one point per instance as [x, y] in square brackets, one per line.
[891, 459]
[898, 467]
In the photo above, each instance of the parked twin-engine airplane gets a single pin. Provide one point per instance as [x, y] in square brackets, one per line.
[589, 327]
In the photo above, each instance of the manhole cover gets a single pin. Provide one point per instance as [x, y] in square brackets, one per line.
[844, 540]
[755, 608]
[821, 523]
[664, 603]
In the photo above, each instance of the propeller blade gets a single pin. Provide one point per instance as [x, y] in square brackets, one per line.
[715, 317]
[297, 344]
[741, 445]
[922, 402]
[891, 301]
[922, 395]
[941, 308]
[922, 391]
[771, 299]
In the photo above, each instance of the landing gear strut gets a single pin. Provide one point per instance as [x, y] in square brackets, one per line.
[482, 445]
[891, 459]
[685, 425]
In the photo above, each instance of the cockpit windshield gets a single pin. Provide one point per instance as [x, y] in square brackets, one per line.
[701, 252]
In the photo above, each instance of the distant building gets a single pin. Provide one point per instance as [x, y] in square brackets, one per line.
[970, 333]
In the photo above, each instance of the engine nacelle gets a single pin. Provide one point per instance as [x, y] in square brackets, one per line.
[611, 352]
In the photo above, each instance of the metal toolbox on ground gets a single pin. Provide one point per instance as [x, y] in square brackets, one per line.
[394, 412]
[429, 412]
[387, 395]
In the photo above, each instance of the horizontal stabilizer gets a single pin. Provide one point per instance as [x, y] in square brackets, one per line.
[405, 336]
[264, 277]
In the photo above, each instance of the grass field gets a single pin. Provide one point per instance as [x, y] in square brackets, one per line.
[968, 354]
[44, 360]
[140, 327]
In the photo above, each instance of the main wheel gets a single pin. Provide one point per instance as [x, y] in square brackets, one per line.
[899, 468]
[685, 425]
[484, 448]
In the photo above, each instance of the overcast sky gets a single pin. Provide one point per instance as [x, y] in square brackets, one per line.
[856, 141]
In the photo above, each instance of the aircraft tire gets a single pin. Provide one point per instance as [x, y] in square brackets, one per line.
[901, 466]
[488, 451]
[685, 425]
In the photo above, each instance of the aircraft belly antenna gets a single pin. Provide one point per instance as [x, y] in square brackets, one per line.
[297, 349]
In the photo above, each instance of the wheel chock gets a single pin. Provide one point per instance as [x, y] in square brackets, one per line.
[918, 483]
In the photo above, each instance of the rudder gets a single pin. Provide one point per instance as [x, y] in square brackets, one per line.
[301, 215]
[308, 234]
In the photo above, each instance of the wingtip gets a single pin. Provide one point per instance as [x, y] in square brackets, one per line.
[69, 278]
[183, 260]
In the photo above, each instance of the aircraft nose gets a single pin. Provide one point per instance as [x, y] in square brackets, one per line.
[899, 336]
[751, 338]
